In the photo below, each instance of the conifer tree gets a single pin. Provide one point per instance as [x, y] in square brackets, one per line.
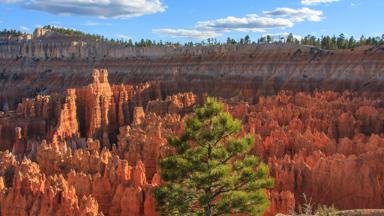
[290, 38]
[210, 172]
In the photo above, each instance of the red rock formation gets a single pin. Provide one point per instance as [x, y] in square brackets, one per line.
[32, 193]
[19, 145]
[42, 64]
[138, 115]
[97, 150]
[346, 182]
[95, 111]
[101, 175]
[67, 125]
[180, 103]
[346, 124]
[281, 202]
[371, 119]
[315, 147]
[97, 98]
[144, 141]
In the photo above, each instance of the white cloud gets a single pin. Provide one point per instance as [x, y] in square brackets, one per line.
[186, 33]
[123, 36]
[24, 28]
[251, 22]
[296, 15]
[215, 28]
[10, 1]
[316, 2]
[280, 18]
[95, 8]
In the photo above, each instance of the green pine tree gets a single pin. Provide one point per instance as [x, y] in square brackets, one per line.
[290, 38]
[211, 172]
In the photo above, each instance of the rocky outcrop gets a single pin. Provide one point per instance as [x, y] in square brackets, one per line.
[324, 146]
[96, 148]
[147, 141]
[112, 182]
[104, 108]
[52, 63]
[67, 124]
[97, 98]
[95, 111]
[27, 191]
[19, 145]
[345, 182]
[180, 103]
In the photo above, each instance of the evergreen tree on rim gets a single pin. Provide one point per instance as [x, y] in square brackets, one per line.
[211, 172]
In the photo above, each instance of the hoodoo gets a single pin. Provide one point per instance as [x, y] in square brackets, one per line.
[105, 146]
[92, 126]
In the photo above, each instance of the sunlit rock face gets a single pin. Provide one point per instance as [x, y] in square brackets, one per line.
[50, 63]
[96, 148]
[76, 140]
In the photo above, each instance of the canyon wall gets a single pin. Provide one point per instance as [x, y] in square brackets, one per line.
[94, 111]
[73, 168]
[43, 65]
[75, 140]
[323, 146]
[97, 147]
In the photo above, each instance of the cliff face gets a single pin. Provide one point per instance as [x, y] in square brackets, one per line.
[96, 147]
[25, 190]
[321, 146]
[82, 182]
[44, 65]
[80, 126]
[81, 145]
[94, 111]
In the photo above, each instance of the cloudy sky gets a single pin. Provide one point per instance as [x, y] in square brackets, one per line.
[185, 20]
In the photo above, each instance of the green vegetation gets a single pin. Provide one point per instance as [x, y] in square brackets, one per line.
[10, 32]
[341, 42]
[328, 42]
[210, 172]
[128, 43]
[323, 42]
[307, 209]
[72, 32]
[326, 211]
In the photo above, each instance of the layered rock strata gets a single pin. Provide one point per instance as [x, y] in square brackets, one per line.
[50, 63]
[94, 111]
[96, 148]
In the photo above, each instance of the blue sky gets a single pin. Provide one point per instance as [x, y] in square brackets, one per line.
[185, 20]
